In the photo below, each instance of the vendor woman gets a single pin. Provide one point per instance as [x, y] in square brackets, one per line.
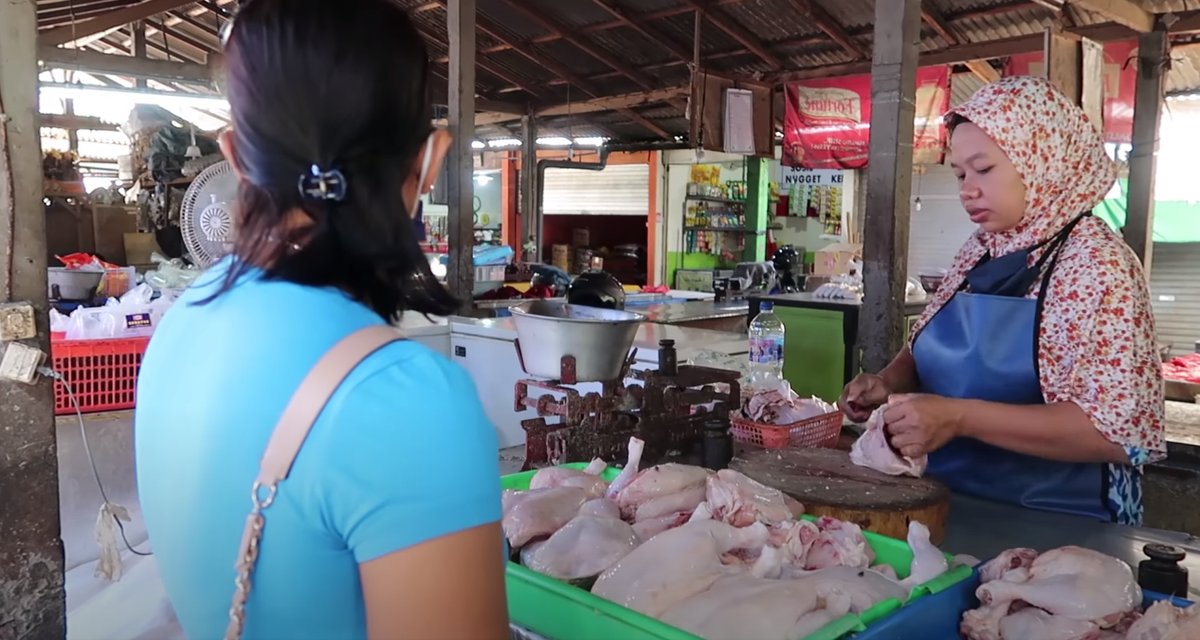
[1033, 376]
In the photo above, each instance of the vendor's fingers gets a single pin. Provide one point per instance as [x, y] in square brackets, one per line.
[912, 451]
[906, 439]
[895, 414]
[900, 398]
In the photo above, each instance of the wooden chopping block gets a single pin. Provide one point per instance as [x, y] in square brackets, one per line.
[828, 484]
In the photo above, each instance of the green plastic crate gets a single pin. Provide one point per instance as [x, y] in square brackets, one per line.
[560, 611]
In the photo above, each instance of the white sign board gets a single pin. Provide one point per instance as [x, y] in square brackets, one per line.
[808, 177]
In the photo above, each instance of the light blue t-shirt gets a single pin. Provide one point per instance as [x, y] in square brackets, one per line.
[402, 454]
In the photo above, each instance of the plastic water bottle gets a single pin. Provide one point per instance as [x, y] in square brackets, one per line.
[766, 346]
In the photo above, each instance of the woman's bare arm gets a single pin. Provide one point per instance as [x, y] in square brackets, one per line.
[449, 588]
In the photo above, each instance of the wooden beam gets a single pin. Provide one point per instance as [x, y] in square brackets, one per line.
[1153, 61]
[934, 19]
[726, 23]
[530, 224]
[202, 47]
[62, 35]
[982, 70]
[1122, 12]
[138, 46]
[73, 122]
[1064, 63]
[31, 556]
[881, 320]
[460, 25]
[613, 103]
[92, 62]
[583, 44]
[830, 27]
[641, 26]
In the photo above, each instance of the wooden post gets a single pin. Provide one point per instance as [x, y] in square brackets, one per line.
[1153, 62]
[139, 47]
[530, 224]
[889, 181]
[460, 24]
[1064, 63]
[32, 596]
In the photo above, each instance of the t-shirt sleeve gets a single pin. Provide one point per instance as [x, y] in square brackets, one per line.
[422, 461]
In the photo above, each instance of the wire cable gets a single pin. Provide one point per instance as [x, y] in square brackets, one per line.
[51, 373]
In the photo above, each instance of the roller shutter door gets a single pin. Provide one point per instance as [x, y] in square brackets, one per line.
[616, 190]
[1175, 294]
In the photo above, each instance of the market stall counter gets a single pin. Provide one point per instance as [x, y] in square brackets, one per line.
[819, 356]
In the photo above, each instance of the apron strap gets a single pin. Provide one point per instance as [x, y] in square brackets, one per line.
[289, 435]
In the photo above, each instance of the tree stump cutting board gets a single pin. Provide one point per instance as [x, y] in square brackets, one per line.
[828, 484]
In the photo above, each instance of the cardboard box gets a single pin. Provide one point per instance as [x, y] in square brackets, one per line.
[560, 256]
[834, 260]
[581, 238]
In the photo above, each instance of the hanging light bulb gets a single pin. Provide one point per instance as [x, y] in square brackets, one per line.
[917, 204]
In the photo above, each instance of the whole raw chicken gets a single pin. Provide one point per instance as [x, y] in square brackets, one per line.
[586, 547]
[741, 607]
[539, 513]
[587, 479]
[1078, 591]
[1165, 621]
[675, 565]
[662, 490]
[840, 544]
[873, 451]
[741, 501]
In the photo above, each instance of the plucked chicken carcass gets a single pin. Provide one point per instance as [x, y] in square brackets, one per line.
[530, 515]
[587, 479]
[675, 565]
[742, 606]
[662, 490]
[872, 450]
[1165, 621]
[741, 501]
[586, 547]
[840, 544]
[1093, 590]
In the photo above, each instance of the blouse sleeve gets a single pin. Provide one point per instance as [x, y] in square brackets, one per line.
[1099, 350]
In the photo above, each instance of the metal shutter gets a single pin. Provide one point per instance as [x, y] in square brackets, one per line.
[616, 190]
[940, 228]
[1175, 294]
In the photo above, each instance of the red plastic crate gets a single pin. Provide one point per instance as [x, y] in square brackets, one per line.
[103, 373]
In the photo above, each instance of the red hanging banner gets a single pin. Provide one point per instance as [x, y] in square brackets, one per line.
[827, 124]
[1120, 85]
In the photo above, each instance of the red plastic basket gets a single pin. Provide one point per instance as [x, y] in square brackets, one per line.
[820, 432]
[103, 373]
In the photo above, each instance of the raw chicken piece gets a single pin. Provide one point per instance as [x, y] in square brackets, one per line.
[671, 503]
[1165, 621]
[995, 568]
[872, 450]
[600, 507]
[636, 446]
[886, 570]
[742, 501]
[540, 513]
[839, 544]
[587, 479]
[741, 607]
[655, 482]
[1034, 624]
[795, 539]
[675, 565]
[647, 529]
[1071, 581]
[509, 499]
[585, 547]
[864, 587]
[928, 561]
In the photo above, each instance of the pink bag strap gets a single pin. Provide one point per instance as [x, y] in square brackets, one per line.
[286, 440]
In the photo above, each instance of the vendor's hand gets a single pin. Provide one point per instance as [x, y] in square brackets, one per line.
[919, 424]
[863, 395]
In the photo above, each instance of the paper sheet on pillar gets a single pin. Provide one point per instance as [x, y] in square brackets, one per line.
[135, 608]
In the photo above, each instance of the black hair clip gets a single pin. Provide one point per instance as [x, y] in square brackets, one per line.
[323, 185]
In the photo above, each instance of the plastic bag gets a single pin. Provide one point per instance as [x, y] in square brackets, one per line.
[774, 402]
[133, 315]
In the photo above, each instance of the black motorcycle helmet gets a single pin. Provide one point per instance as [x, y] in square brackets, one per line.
[597, 289]
[786, 259]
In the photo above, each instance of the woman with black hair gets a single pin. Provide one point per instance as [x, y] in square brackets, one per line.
[387, 526]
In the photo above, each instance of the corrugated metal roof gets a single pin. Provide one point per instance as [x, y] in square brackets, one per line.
[786, 31]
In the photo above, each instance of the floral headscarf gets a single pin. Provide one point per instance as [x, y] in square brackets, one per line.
[1097, 340]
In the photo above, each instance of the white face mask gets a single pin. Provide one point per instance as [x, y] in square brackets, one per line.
[425, 164]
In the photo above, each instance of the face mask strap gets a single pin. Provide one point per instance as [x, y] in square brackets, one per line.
[426, 162]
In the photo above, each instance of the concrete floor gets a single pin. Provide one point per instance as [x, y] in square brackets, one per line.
[136, 608]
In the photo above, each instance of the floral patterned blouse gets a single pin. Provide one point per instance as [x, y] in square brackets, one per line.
[1097, 339]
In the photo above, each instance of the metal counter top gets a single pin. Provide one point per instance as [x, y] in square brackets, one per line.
[984, 529]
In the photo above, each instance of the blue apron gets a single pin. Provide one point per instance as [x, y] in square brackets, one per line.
[982, 345]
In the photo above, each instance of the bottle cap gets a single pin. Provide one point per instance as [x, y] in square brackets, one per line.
[766, 306]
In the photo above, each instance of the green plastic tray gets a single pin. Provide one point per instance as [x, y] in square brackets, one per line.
[560, 611]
